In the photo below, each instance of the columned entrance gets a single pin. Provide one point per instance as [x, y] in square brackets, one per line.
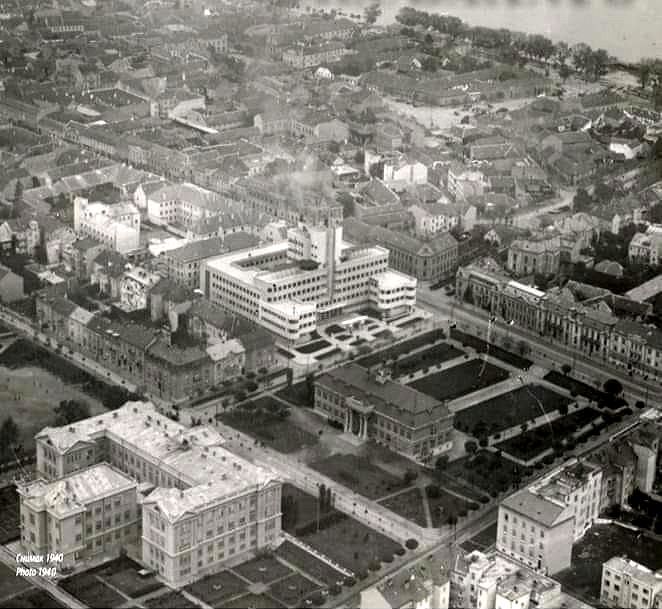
[356, 423]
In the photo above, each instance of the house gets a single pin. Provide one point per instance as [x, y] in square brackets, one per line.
[117, 226]
[107, 270]
[135, 286]
[11, 285]
[490, 148]
[169, 301]
[401, 170]
[628, 148]
[626, 583]
[464, 184]
[433, 218]
[646, 248]
[534, 256]
[376, 198]
[313, 55]
[79, 256]
[182, 265]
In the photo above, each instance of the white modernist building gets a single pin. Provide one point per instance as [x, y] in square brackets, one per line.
[289, 285]
[118, 226]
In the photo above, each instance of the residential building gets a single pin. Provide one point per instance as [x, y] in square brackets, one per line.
[11, 285]
[490, 148]
[19, 236]
[626, 583]
[426, 587]
[401, 170]
[494, 581]
[372, 406]
[534, 256]
[117, 226]
[287, 286]
[182, 265]
[646, 248]
[538, 525]
[313, 55]
[135, 286]
[375, 198]
[434, 218]
[204, 506]
[464, 184]
[82, 515]
[79, 256]
[425, 259]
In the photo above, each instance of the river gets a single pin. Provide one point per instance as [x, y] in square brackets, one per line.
[627, 29]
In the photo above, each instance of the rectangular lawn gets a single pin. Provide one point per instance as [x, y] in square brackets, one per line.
[437, 354]
[217, 588]
[509, 409]
[409, 505]
[32, 599]
[358, 474]
[293, 590]
[460, 380]
[170, 600]
[534, 442]
[263, 570]
[93, 592]
[406, 346]
[488, 471]
[122, 573]
[309, 564]
[352, 545]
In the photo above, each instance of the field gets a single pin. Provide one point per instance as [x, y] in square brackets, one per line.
[9, 514]
[584, 389]
[91, 591]
[9, 583]
[599, 545]
[533, 442]
[488, 471]
[460, 380]
[24, 354]
[358, 474]
[352, 545]
[293, 590]
[307, 563]
[263, 570]
[409, 505]
[512, 408]
[406, 346]
[266, 420]
[316, 345]
[445, 505]
[437, 354]
[298, 394]
[122, 573]
[31, 599]
[518, 361]
[483, 540]
[217, 588]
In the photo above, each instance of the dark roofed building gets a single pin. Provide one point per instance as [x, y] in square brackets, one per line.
[372, 406]
[426, 259]
[182, 265]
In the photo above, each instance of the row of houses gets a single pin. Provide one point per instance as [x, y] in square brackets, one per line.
[590, 320]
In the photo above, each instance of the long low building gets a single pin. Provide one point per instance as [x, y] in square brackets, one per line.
[202, 506]
[372, 406]
[288, 286]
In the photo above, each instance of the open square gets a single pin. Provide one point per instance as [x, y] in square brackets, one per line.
[460, 380]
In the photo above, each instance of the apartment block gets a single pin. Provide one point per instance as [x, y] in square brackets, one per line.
[202, 506]
[538, 525]
[627, 584]
[117, 226]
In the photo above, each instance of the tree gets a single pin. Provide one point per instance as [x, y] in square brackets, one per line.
[582, 201]
[644, 73]
[8, 437]
[657, 149]
[640, 404]
[566, 368]
[441, 463]
[470, 447]
[613, 387]
[564, 72]
[563, 409]
[70, 411]
[603, 192]
[410, 476]
[372, 12]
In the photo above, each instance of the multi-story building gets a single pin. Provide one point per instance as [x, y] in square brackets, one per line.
[494, 581]
[372, 406]
[646, 247]
[426, 259]
[182, 265]
[204, 506]
[434, 218]
[626, 583]
[118, 226]
[420, 587]
[287, 286]
[135, 286]
[82, 515]
[313, 55]
[534, 256]
[538, 525]
[464, 184]
[579, 316]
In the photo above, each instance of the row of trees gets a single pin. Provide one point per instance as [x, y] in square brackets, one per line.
[513, 46]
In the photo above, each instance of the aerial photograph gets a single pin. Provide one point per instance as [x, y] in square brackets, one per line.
[341, 304]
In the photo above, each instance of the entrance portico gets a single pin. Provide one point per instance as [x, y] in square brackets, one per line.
[356, 417]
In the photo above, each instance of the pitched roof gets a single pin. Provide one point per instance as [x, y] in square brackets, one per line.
[544, 511]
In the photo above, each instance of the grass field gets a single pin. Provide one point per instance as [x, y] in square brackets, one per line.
[509, 409]
[358, 474]
[486, 470]
[293, 590]
[409, 505]
[460, 380]
[94, 593]
[263, 569]
[309, 564]
[217, 588]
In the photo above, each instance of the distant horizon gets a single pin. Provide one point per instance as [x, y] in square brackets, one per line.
[637, 23]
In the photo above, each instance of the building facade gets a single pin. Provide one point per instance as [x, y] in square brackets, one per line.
[626, 583]
[206, 507]
[372, 406]
[117, 226]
